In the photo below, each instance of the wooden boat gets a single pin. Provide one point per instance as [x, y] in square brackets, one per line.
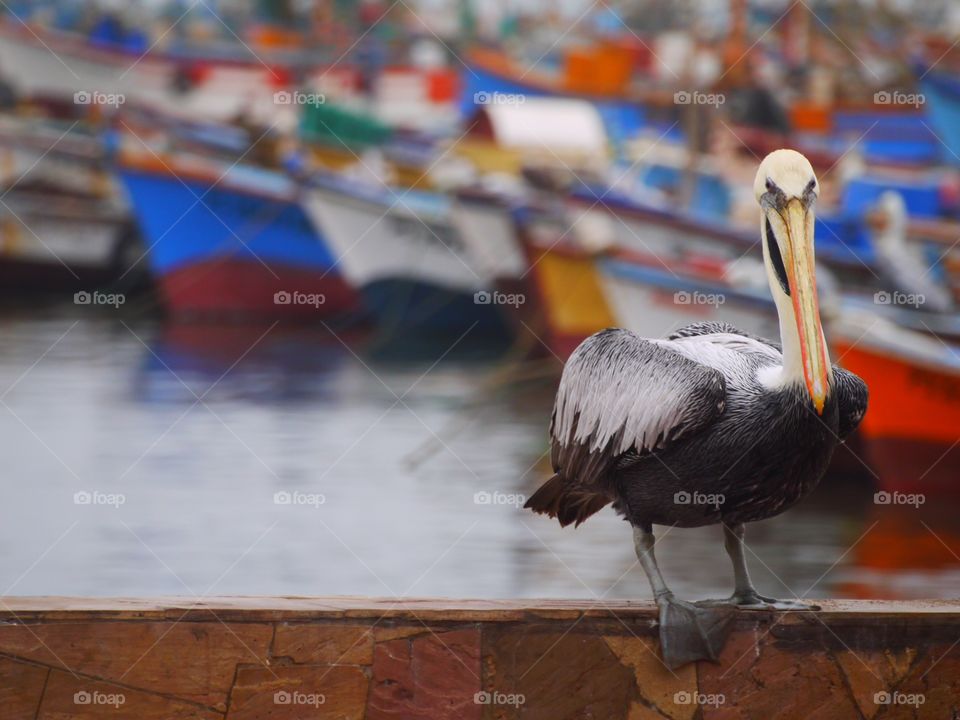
[884, 138]
[660, 229]
[46, 156]
[53, 243]
[232, 241]
[910, 431]
[64, 227]
[43, 62]
[942, 92]
[406, 258]
[654, 299]
[566, 298]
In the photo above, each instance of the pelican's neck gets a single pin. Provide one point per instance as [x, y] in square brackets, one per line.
[790, 373]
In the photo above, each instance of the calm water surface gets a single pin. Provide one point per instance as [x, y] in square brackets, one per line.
[197, 430]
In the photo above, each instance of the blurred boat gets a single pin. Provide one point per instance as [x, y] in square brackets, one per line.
[566, 300]
[910, 431]
[64, 227]
[220, 83]
[218, 79]
[403, 254]
[883, 138]
[653, 225]
[654, 299]
[232, 240]
[49, 156]
[484, 219]
[941, 90]
[52, 243]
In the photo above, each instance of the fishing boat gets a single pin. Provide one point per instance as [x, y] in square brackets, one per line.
[64, 227]
[232, 240]
[657, 227]
[915, 451]
[654, 299]
[566, 300]
[941, 89]
[217, 84]
[50, 156]
[405, 256]
[890, 139]
[50, 243]
[484, 219]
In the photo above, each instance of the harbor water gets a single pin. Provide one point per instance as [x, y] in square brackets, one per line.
[149, 459]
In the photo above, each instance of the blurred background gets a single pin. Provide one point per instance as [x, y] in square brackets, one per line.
[287, 287]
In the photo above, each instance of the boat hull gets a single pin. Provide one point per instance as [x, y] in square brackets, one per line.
[50, 244]
[220, 249]
[566, 301]
[655, 302]
[410, 263]
[910, 431]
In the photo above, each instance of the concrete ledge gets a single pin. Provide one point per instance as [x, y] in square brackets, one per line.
[346, 658]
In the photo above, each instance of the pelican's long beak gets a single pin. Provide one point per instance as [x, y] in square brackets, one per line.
[801, 277]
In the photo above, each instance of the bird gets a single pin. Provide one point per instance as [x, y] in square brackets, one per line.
[710, 425]
[902, 269]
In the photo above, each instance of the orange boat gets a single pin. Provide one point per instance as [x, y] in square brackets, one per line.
[911, 431]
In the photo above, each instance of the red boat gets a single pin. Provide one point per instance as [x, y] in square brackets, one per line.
[911, 431]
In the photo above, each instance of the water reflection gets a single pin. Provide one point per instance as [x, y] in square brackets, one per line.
[199, 427]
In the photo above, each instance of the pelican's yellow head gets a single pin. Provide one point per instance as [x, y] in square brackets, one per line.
[786, 188]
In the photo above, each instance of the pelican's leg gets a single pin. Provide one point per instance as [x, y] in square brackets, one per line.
[687, 632]
[744, 594]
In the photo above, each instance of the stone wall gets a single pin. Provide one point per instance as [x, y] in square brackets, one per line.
[285, 658]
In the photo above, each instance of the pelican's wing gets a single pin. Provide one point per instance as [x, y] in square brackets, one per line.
[852, 397]
[621, 393]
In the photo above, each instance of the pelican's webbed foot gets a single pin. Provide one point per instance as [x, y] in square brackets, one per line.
[752, 600]
[689, 633]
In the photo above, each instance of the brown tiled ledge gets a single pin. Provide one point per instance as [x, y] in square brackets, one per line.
[349, 657]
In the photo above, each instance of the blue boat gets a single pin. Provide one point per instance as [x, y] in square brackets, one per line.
[942, 94]
[233, 242]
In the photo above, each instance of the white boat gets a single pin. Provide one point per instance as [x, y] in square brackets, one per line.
[655, 300]
[487, 228]
[48, 63]
[51, 243]
[401, 250]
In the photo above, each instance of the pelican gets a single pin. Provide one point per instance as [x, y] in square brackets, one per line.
[711, 425]
[902, 268]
